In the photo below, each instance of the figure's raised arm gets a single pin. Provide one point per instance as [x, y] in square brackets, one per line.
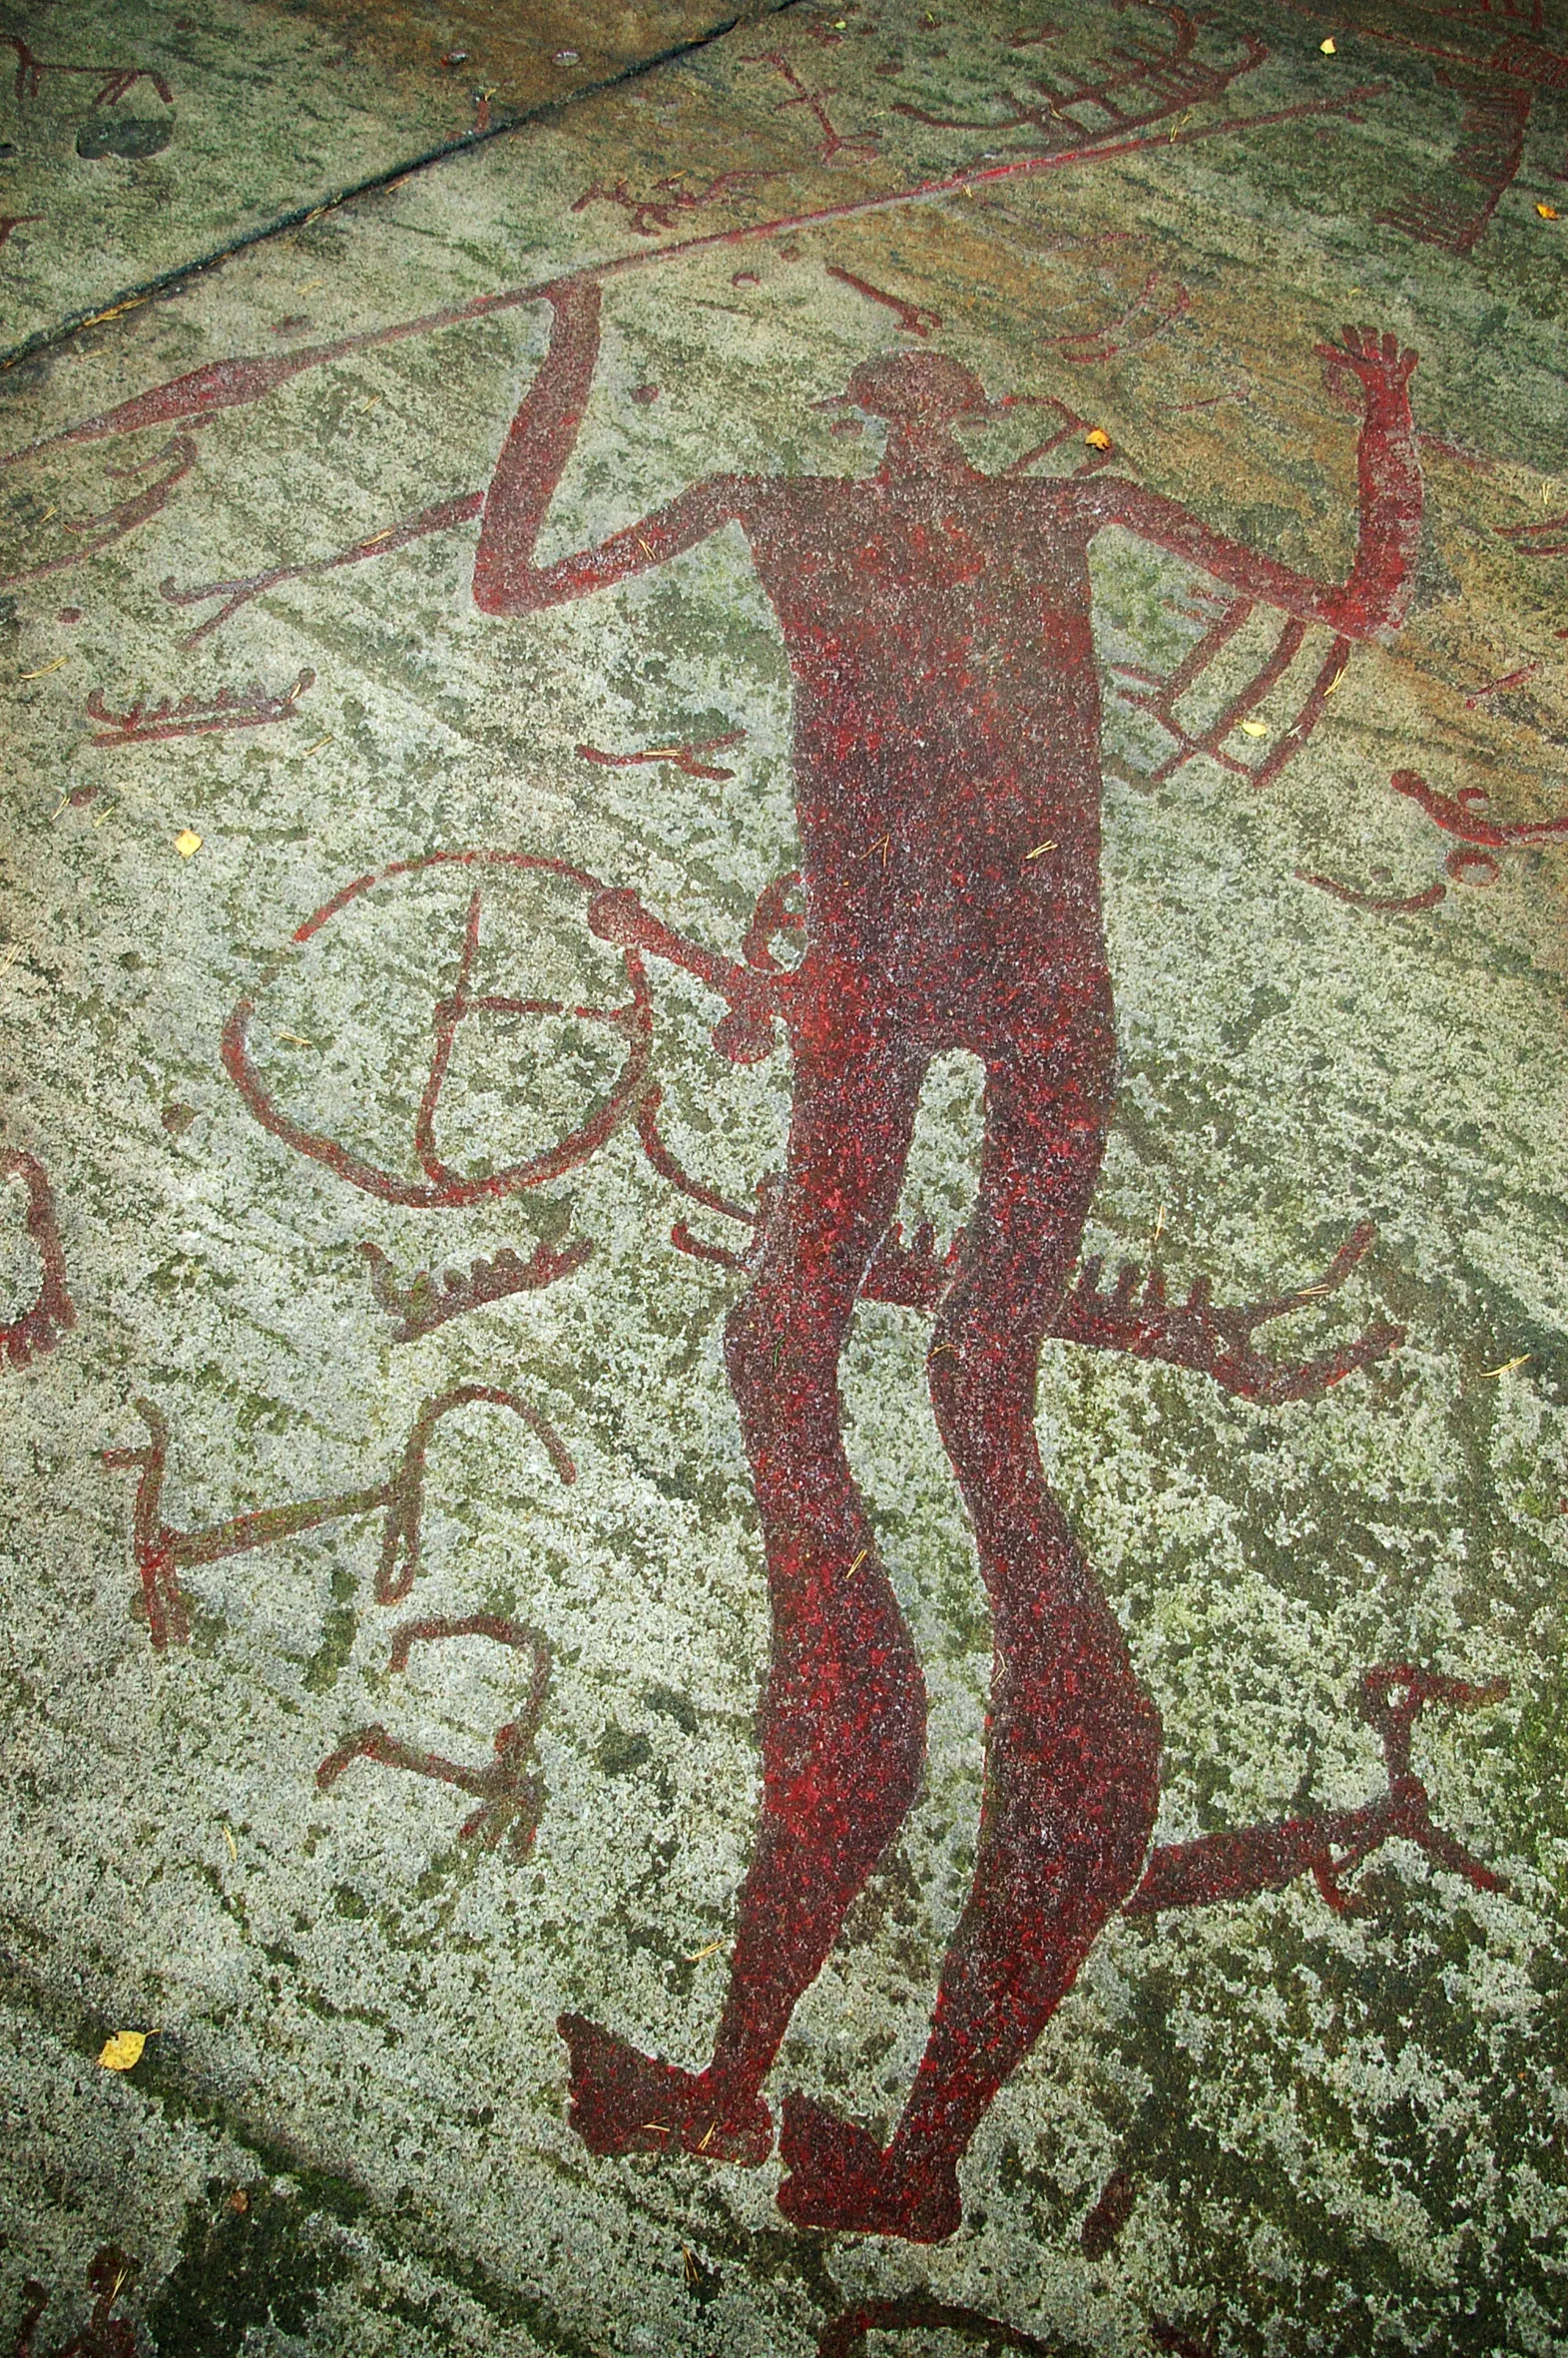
[533, 459]
[1373, 597]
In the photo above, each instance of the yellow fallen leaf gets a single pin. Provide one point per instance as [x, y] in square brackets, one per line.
[1331, 47]
[1548, 212]
[121, 2051]
[187, 842]
[1097, 439]
[1253, 727]
[698, 1955]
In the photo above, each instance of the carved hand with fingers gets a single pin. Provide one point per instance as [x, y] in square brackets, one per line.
[1380, 365]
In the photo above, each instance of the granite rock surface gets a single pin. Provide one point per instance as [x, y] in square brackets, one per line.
[247, 675]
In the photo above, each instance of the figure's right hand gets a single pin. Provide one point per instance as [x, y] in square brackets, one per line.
[1382, 365]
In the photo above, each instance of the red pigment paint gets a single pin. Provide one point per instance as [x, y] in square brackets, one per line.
[424, 1306]
[1332, 1843]
[51, 1313]
[1549, 538]
[1472, 867]
[1459, 815]
[1471, 863]
[510, 1796]
[1167, 2336]
[1113, 2207]
[948, 782]
[442, 1188]
[443, 517]
[198, 716]
[1152, 311]
[161, 1551]
[1514, 678]
[845, 2336]
[105, 2335]
[668, 197]
[913, 318]
[683, 756]
[861, 145]
[1392, 904]
[1162, 696]
[100, 531]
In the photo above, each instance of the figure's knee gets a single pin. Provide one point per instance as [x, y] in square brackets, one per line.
[786, 1327]
[844, 1722]
[1071, 1801]
[991, 1322]
[971, 1363]
[983, 1382]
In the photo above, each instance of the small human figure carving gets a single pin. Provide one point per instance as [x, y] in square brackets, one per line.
[947, 780]
[509, 1791]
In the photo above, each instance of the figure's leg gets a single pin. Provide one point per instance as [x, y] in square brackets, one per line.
[1072, 1756]
[844, 1720]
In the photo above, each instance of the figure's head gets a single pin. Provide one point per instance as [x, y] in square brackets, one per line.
[915, 389]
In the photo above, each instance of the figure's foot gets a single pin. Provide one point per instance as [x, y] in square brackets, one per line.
[626, 2102]
[839, 2177]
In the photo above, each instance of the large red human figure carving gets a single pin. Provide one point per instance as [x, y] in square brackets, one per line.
[947, 777]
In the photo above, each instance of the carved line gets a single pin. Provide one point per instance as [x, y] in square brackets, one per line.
[442, 1188]
[512, 1799]
[38, 1329]
[228, 385]
[162, 1551]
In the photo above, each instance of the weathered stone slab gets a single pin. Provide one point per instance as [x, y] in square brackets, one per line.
[313, 995]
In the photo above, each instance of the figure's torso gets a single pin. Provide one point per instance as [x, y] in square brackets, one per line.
[947, 719]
